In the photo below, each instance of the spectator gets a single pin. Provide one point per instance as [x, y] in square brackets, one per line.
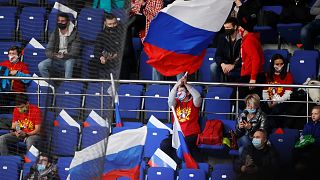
[107, 5]
[295, 11]
[310, 31]
[227, 58]
[18, 69]
[187, 106]
[44, 168]
[252, 56]
[62, 50]
[26, 125]
[245, 6]
[107, 50]
[307, 158]
[277, 95]
[252, 119]
[258, 160]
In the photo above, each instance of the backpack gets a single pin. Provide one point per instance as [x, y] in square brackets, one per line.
[212, 133]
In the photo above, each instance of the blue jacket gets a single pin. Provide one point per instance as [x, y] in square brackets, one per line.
[312, 128]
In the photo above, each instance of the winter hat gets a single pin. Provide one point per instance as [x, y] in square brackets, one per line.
[247, 21]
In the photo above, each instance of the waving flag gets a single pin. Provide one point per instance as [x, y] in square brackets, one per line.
[155, 123]
[64, 119]
[124, 153]
[60, 7]
[31, 155]
[113, 93]
[180, 145]
[161, 159]
[95, 120]
[181, 32]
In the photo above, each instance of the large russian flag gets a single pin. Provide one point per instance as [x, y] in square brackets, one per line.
[181, 32]
[124, 153]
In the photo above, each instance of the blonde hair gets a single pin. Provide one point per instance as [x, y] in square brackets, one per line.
[253, 99]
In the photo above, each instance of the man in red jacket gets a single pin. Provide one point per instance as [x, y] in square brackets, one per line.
[252, 56]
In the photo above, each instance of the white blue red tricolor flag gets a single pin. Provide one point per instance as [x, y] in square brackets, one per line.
[94, 119]
[113, 93]
[64, 119]
[161, 159]
[31, 155]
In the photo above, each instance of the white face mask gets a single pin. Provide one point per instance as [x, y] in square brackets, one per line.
[13, 59]
[257, 143]
[278, 69]
[181, 95]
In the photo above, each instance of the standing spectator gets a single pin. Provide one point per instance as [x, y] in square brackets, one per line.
[107, 5]
[310, 31]
[187, 106]
[26, 125]
[18, 69]
[295, 11]
[63, 48]
[258, 160]
[277, 95]
[252, 119]
[227, 58]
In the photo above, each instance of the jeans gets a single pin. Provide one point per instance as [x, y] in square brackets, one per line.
[309, 33]
[9, 138]
[243, 142]
[46, 65]
[216, 72]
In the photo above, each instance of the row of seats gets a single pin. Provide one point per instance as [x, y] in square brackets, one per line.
[31, 2]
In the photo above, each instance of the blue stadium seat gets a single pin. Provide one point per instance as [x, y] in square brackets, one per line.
[145, 70]
[275, 9]
[32, 23]
[65, 140]
[215, 105]
[5, 118]
[51, 2]
[63, 165]
[29, 2]
[26, 169]
[40, 95]
[32, 57]
[8, 22]
[268, 35]
[69, 97]
[127, 102]
[115, 130]
[302, 60]
[156, 102]
[4, 46]
[290, 33]
[132, 125]
[87, 55]
[223, 174]
[97, 98]
[121, 14]
[205, 74]
[90, 22]
[93, 134]
[187, 174]
[223, 166]
[154, 138]
[10, 167]
[268, 53]
[203, 166]
[5, 2]
[161, 173]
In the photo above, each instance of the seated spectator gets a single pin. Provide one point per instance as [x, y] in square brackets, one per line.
[227, 57]
[26, 125]
[44, 168]
[307, 158]
[252, 119]
[310, 31]
[62, 50]
[295, 11]
[258, 160]
[277, 95]
[18, 69]
[186, 100]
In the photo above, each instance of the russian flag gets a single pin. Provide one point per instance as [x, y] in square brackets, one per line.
[155, 123]
[88, 163]
[60, 7]
[94, 119]
[180, 34]
[113, 93]
[31, 155]
[124, 154]
[64, 119]
[180, 145]
[161, 159]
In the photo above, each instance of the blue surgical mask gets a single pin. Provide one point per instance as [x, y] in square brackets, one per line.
[41, 167]
[182, 95]
[257, 143]
[251, 111]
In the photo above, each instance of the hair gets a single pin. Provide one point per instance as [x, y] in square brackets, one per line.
[253, 99]
[15, 48]
[232, 20]
[63, 14]
[21, 99]
[263, 132]
[283, 73]
[109, 16]
[43, 154]
[316, 107]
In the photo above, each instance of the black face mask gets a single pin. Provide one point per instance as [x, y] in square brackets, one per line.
[111, 29]
[229, 32]
[62, 26]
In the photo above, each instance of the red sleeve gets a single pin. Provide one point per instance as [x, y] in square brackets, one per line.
[24, 69]
[255, 56]
[288, 80]
[15, 115]
[3, 63]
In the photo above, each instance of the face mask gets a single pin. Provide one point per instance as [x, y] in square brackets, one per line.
[257, 143]
[41, 167]
[278, 69]
[181, 95]
[23, 109]
[241, 32]
[251, 111]
[229, 31]
[13, 59]
[62, 26]
[110, 29]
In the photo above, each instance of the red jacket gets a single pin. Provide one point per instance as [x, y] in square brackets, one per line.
[17, 86]
[252, 55]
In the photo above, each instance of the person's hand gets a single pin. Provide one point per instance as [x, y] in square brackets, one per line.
[272, 104]
[229, 68]
[241, 125]
[249, 161]
[223, 67]
[17, 133]
[113, 56]
[238, 3]
[103, 60]
[13, 72]
[22, 134]
[59, 55]
[252, 82]
[247, 125]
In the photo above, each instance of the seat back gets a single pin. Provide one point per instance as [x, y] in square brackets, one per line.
[154, 138]
[8, 22]
[32, 57]
[215, 104]
[97, 98]
[87, 55]
[128, 102]
[204, 72]
[90, 22]
[63, 165]
[223, 174]
[10, 167]
[65, 140]
[93, 134]
[4, 46]
[145, 70]
[268, 53]
[187, 174]
[160, 173]
[40, 95]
